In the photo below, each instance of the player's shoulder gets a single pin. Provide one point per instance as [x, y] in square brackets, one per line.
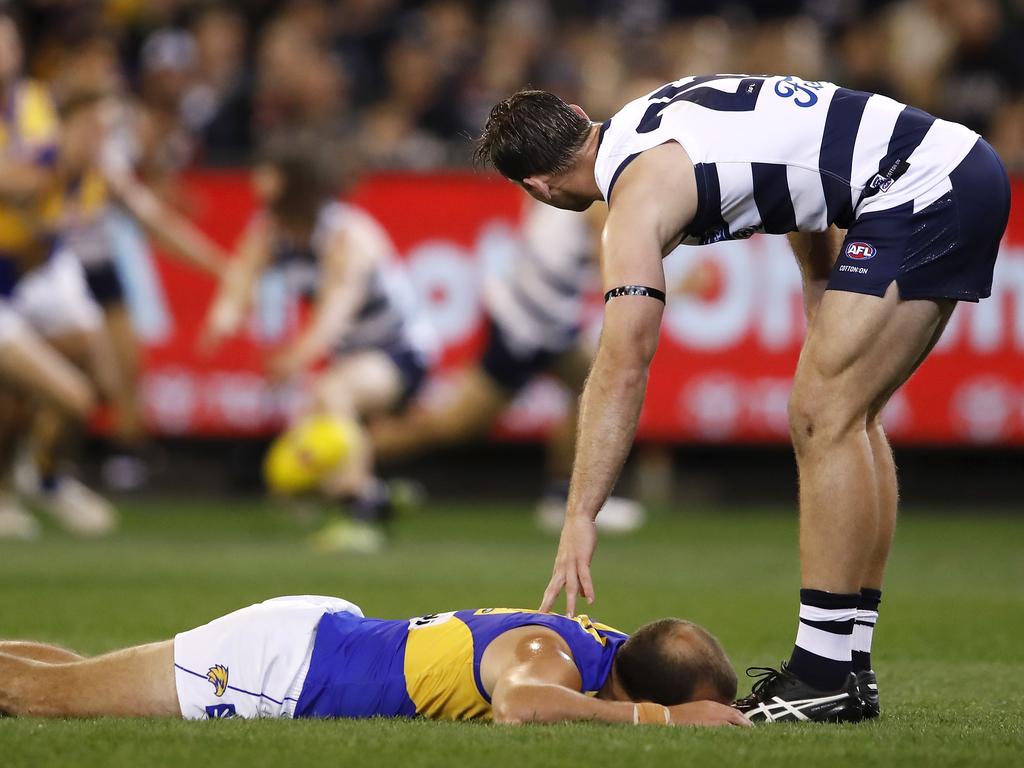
[355, 225]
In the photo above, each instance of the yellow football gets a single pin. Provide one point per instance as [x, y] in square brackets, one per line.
[302, 456]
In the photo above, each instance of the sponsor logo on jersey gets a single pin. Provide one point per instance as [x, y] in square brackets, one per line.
[860, 251]
[218, 676]
[220, 711]
[722, 233]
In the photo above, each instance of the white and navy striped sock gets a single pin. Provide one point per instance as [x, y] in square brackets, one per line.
[864, 628]
[822, 654]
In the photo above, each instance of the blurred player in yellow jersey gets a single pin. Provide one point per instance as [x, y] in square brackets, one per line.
[111, 242]
[31, 369]
[319, 657]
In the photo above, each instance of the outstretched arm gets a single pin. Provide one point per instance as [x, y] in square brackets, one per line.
[234, 294]
[649, 211]
[172, 230]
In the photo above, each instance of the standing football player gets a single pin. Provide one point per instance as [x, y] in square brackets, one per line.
[720, 157]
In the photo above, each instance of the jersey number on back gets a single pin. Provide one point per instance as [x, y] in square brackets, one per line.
[743, 100]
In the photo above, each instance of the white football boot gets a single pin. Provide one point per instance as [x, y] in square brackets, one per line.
[76, 508]
[15, 522]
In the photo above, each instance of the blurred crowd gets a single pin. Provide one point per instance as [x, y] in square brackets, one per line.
[403, 83]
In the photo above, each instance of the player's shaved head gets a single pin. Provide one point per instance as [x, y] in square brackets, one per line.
[673, 661]
[531, 133]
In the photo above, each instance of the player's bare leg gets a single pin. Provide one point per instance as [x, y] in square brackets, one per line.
[29, 363]
[129, 426]
[44, 652]
[859, 350]
[135, 682]
[887, 488]
[571, 370]
[355, 388]
[15, 417]
[41, 479]
[467, 414]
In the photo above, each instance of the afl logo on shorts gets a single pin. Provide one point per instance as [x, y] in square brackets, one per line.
[860, 251]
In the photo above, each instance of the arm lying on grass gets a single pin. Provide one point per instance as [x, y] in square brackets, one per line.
[533, 679]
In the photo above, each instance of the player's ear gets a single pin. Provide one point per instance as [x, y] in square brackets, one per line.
[538, 187]
[579, 111]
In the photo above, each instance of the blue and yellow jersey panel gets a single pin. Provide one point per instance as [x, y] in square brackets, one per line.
[29, 132]
[28, 123]
[430, 665]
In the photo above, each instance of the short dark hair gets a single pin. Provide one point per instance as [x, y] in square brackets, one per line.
[531, 133]
[651, 667]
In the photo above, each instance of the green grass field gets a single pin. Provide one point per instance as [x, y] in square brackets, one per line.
[949, 648]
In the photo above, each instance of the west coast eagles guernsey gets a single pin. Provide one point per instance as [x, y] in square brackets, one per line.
[780, 154]
[430, 666]
[29, 132]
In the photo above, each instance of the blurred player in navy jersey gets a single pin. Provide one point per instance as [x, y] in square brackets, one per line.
[718, 157]
[536, 325]
[366, 322]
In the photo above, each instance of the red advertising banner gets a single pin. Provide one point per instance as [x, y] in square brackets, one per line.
[722, 372]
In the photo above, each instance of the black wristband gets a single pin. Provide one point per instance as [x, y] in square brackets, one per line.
[635, 290]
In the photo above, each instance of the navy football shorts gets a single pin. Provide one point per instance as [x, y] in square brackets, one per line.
[413, 368]
[509, 369]
[945, 251]
[105, 283]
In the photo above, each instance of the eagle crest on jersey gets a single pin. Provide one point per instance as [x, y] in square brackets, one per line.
[218, 677]
[780, 154]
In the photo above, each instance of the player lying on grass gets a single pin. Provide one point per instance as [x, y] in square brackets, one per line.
[311, 656]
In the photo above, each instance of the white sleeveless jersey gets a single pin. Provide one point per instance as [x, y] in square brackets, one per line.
[538, 300]
[391, 314]
[780, 154]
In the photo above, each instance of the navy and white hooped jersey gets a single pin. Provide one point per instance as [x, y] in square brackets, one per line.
[538, 299]
[391, 315]
[780, 154]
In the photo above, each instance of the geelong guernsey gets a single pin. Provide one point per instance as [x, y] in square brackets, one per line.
[780, 154]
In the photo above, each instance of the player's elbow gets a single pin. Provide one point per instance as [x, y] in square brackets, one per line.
[506, 708]
[506, 715]
[517, 703]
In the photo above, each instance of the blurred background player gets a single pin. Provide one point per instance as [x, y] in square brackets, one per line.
[539, 312]
[365, 321]
[112, 243]
[536, 320]
[44, 171]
